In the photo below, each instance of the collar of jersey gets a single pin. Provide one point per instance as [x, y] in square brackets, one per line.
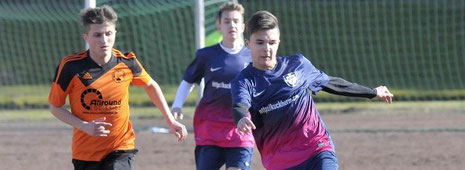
[230, 50]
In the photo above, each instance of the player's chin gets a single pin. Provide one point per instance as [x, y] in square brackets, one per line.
[106, 52]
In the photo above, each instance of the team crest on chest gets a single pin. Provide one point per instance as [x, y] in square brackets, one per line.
[291, 79]
[118, 75]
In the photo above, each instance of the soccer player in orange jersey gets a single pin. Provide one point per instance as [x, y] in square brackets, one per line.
[97, 82]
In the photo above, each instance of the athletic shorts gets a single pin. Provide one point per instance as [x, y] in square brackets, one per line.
[209, 157]
[116, 160]
[325, 160]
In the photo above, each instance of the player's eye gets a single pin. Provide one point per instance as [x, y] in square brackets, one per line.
[109, 33]
[97, 35]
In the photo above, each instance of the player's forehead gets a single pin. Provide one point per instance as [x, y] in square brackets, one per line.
[101, 28]
[266, 35]
[231, 15]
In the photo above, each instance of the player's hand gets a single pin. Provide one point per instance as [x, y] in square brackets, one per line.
[177, 113]
[383, 93]
[96, 127]
[178, 130]
[245, 126]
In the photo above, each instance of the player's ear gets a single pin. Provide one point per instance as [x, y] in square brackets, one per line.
[247, 43]
[217, 23]
[85, 36]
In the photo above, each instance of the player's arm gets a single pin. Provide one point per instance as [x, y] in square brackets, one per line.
[184, 89]
[343, 87]
[57, 98]
[193, 74]
[243, 123]
[156, 95]
[241, 89]
[93, 128]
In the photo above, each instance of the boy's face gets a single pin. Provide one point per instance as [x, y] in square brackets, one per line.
[263, 46]
[231, 25]
[101, 38]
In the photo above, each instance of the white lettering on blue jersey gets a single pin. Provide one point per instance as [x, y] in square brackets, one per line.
[221, 85]
[277, 105]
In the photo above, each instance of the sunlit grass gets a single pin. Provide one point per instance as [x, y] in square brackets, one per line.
[153, 112]
[28, 96]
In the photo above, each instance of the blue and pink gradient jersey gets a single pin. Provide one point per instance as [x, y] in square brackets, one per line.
[213, 122]
[289, 128]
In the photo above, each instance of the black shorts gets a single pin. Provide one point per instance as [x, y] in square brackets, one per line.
[116, 160]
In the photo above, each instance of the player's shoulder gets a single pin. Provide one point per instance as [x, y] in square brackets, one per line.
[208, 51]
[73, 57]
[240, 77]
[246, 73]
[298, 57]
[122, 55]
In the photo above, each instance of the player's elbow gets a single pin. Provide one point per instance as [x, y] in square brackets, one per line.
[51, 108]
[152, 82]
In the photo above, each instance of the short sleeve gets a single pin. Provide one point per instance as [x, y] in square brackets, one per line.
[141, 77]
[317, 78]
[60, 90]
[196, 69]
[241, 90]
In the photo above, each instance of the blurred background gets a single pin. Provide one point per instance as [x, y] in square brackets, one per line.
[415, 47]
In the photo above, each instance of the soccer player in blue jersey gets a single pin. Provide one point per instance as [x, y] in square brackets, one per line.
[217, 140]
[287, 127]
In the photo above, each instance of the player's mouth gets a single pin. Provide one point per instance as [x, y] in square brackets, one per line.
[266, 57]
[104, 47]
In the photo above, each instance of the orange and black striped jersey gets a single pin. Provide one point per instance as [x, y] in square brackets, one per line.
[98, 91]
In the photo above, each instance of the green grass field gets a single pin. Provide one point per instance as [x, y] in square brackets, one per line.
[30, 102]
[325, 108]
[35, 97]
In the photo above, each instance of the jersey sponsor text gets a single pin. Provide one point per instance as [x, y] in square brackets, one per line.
[278, 104]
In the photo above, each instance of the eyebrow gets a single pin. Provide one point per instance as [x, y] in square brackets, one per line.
[231, 18]
[103, 31]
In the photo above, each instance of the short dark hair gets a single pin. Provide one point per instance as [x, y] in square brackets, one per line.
[230, 6]
[97, 15]
[261, 20]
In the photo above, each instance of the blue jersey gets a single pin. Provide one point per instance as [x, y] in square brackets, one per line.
[289, 127]
[213, 122]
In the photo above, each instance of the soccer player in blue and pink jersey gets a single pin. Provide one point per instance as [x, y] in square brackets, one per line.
[217, 140]
[287, 127]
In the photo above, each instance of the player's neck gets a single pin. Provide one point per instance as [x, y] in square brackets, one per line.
[233, 44]
[101, 61]
[265, 67]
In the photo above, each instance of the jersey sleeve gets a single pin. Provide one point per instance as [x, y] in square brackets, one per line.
[60, 85]
[196, 69]
[241, 90]
[318, 79]
[141, 77]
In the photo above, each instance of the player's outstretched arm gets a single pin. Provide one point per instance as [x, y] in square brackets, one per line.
[339, 86]
[156, 95]
[93, 128]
